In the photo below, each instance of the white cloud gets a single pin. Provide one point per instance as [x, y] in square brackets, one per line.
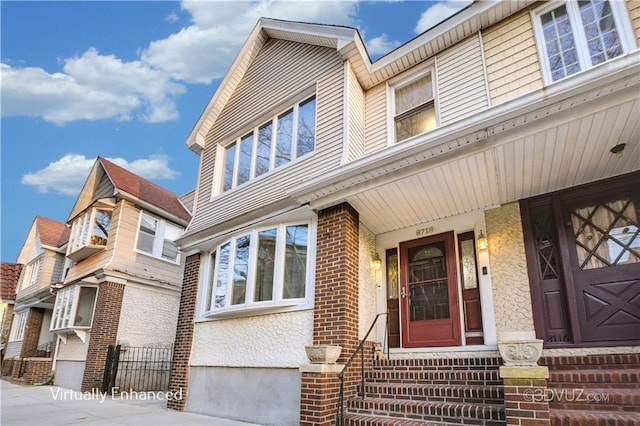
[438, 13]
[67, 175]
[381, 45]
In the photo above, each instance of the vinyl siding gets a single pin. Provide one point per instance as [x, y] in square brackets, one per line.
[376, 118]
[50, 270]
[462, 88]
[280, 71]
[511, 57]
[634, 15]
[355, 118]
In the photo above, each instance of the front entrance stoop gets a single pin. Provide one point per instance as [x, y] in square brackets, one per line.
[461, 391]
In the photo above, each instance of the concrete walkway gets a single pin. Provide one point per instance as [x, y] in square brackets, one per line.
[52, 406]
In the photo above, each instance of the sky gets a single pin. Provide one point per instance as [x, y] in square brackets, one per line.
[128, 80]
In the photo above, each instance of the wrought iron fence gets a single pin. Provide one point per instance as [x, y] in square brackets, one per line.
[138, 368]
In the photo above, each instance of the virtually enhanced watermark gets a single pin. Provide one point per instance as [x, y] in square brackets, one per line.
[115, 394]
[565, 395]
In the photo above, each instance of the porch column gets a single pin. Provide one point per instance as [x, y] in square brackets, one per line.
[335, 319]
[179, 379]
[104, 332]
[32, 332]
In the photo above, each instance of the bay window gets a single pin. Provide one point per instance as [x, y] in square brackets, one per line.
[575, 35]
[74, 307]
[265, 267]
[89, 233]
[156, 237]
[279, 141]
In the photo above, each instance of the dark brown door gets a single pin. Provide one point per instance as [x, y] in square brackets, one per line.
[429, 296]
[604, 253]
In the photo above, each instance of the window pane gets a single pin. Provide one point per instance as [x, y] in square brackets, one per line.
[84, 233]
[284, 138]
[222, 276]
[560, 44]
[86, 302]
[147, 234]
[244, 162]
[169, 247]
[600, 31]
[295, 264]
[415, 94]
[415, 123]
[306, 127]
[468, 263]
[263, 156]
[212, 281]
[240, 270]
[265, 265]
[230, 155]
[101, 226]
[392, 273]
[68, 304]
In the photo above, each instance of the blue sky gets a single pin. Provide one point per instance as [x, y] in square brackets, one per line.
[128, 80]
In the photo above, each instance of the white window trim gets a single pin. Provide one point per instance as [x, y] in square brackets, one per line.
[218, 178]
[73, 307]
[623, 25]
[31, 273]
[77, 230]
[277, 304]
[18, 326]
[404, 80]
[157, 242]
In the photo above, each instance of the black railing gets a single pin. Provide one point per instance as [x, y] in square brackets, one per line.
[360, 348]
[144, 368]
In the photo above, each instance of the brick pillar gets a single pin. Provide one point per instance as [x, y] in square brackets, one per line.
[104, 332]
[335, 319]
[32, 332]
[179, 379]
[525, 395]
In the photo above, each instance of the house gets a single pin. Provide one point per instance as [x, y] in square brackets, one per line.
[471, 197]
[122, 275]
[42, 258]
[9, 275]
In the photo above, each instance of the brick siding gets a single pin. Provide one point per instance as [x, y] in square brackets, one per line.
[104, 332]
[179, 380]
[32, 332]
[37, 370]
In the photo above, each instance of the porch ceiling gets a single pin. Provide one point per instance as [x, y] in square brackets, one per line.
[564, 144]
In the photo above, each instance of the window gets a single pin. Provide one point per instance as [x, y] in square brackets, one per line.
[576, 35]
[74, 307]
[157, 237]
[89, 233]
[264, 149]
[31, 273]
[265, 267]
[18, 326]
[414, 107]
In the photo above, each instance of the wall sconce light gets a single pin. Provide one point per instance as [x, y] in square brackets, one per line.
[376, 263]
[482, 241]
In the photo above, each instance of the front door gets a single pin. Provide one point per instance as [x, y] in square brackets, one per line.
[429, 292]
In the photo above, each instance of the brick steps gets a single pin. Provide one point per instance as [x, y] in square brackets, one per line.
[441, 412]
[594, 390]
[424, 392]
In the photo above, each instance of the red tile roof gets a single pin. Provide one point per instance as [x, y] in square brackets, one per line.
[144, 190]
[52, 232]
[9, 274]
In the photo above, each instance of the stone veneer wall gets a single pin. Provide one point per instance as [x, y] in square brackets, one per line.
[509, 277]
[104, 332]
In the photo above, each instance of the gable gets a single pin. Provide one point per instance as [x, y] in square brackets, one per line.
[98, 185]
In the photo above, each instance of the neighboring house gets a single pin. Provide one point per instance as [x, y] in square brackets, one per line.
[122, 275]
[490, 168]
[42, 256]
[9, 275]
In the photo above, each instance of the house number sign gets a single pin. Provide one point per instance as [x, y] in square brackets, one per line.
[424, 231]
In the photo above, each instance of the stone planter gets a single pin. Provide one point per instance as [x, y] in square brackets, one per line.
[524, 353]
[323, 354]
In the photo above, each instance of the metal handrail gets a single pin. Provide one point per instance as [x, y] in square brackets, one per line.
[360, 348]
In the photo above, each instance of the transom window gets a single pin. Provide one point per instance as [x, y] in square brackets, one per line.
[414, 107]
[74, 307]
[285, 137]
[157, 237]
[576, 35]
[265, 267]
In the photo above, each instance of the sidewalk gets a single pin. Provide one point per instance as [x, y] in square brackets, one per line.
[52, 406]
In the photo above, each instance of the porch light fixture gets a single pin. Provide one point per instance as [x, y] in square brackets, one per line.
[617, 150]
[482, 241]
[376, 263]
